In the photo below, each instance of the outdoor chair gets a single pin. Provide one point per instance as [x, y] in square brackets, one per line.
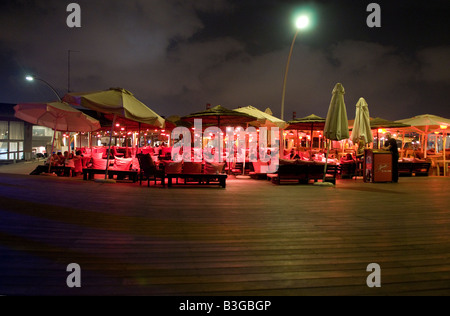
[148, 170]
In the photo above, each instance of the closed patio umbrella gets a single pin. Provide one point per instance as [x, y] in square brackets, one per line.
[336, 125]
[361, 127]
[59, 116]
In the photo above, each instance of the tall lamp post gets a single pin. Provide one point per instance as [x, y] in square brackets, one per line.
[32, 78]
[301, 24]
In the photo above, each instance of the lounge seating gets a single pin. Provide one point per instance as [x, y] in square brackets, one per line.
[414, 167]
[61, 171]
[303, 172]
[148, 170]
[122, 168]
[421, 168]
[257, 173]
[405, 169]
[195, 173]
[88, 174]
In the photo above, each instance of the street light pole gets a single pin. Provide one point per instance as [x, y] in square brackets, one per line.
[286, 74]
[32, 78]
[68, 68]
[302, 23]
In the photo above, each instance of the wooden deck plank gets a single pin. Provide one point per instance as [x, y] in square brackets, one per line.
[253, 238]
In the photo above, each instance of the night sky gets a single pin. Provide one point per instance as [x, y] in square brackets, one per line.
[176, 55]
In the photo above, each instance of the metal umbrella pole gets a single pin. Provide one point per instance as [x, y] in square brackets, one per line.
[109, 147]
[53, 146]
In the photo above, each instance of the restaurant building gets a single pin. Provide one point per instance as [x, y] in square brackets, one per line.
[21, 140]
[16, 136]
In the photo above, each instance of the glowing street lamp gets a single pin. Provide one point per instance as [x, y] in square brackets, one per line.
[32, 78]
[301, 24]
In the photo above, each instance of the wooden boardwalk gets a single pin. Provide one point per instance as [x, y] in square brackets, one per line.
[252, 238]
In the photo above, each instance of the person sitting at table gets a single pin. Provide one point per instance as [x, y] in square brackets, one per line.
[58, 159]
[361, 148]
[75, 163]
[293, 155]
[53, 160]
[347, 159]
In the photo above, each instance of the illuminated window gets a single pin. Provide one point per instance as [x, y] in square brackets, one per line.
[11, 140]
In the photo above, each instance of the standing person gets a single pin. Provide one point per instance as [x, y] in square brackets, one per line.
[391, 145]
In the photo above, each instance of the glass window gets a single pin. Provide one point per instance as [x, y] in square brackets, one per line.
[12, 146]
[3, 147]
[20, 146]
[42, 131]
[3, 130]
[3, 157]
[16, 130]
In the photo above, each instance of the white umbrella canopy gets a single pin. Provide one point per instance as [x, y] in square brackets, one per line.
[116, 101]
[59, 116]
[263, 118]
[426, 124]
[361, 126]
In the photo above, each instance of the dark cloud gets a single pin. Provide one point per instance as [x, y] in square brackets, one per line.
[176, 56]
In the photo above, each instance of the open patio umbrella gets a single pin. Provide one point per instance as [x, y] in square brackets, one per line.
[378, 122]
[118, 102]
[361, 126]
[263, 118]
[336, 125]
[59, 116]
[221, 116]
[425, 124]
[308, 123]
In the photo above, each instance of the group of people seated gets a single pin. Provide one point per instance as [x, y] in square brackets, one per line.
[62, 164]
[308, 155]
